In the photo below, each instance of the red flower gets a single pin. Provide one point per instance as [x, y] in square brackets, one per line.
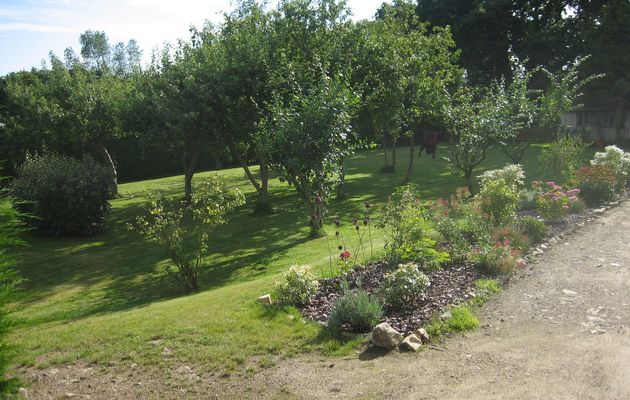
[344, 255]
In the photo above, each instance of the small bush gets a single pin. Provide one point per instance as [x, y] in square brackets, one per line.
[514, 235]
[65, 195]
[512, 174]
[597, 184]
[462, 320]
[533, 228]
[297, 286]
[500, 258]
[617, 160]
[484, 288]
[453, 238]
[564, 155]
[499, 200]
[356, 311]
[577, 207]
[527, 199]
[552, 201]
[403, 285]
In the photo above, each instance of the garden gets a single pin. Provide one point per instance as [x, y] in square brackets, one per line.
[339, 187]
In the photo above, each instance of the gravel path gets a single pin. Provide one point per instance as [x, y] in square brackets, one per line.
[559, 330]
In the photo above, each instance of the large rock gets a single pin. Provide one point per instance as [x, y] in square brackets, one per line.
[385, 336]
[423, 335]
[411, 343]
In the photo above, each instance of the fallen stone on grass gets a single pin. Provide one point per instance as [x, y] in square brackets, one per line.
[411, 343]
[385, 336]
[423, 335]
[265, 299]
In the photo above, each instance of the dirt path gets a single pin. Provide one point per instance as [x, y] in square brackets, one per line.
[560, 330]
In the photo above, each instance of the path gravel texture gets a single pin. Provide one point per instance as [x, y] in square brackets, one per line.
[559, 330]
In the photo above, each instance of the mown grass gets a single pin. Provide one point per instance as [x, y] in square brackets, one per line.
[107, 297]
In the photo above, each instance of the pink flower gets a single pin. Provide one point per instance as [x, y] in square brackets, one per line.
[344, 255]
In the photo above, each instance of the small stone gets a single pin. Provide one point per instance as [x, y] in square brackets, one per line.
[411, 343]
[553, 240]
[544, 246]
[569, 292]
[69, 395]
[134, 365]
[265, 299]
[599, 265]
[617, 265]
[599, 210]
[423, 335]
[385, 336]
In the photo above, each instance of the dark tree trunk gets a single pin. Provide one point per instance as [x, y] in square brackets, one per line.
[191, 156]
[468, 176]
[411, 158]
[394, 154]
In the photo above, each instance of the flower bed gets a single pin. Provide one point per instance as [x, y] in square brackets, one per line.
[452, 284]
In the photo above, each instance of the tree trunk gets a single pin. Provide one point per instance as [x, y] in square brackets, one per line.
[263, 206]
[385, 151]
[109, 164]
[191, 156]
[341, 189]
[621, 113]
[411, 157]
[394, 154]
[468, 176]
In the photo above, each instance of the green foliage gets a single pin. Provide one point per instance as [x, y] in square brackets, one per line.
[535, 229]
[617, 160]
[484, 288]
[405, 222]
[462, 320]
[577, 206]
[499, 258]
[527, 199]
[64, 195]
[10, 229]
[183, 230]
[453, 238]
[597, 184]
[355, 311]
[512, 174]
[513, 234]
[296, 286]
[403, 285]
[553, 201]
[564, 155]
[499, 200]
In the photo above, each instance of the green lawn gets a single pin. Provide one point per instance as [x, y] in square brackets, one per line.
[105, 298]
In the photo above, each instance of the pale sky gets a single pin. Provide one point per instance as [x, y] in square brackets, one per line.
[29, 29]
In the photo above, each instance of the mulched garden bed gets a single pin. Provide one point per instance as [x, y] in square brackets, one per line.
[453, 284]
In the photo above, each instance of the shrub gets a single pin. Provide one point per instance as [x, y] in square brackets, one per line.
[184, 230]
[355, 311]
[462, 320]
[533, 228]
[514, 235]
[499, 200]
[10, 229]
[552, 201]
[512, 174]
[617, 160]
[297, 286]
[577, 207]
[407, 226]
[564, 155]
[597, 184]
[453, 237]
[499, 258]
[403, 285]
[527, 199]
[65, 195]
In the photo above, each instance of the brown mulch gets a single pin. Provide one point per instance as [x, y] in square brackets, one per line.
[453, 284]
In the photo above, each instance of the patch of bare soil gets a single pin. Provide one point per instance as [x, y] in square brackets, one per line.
[559, 330]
